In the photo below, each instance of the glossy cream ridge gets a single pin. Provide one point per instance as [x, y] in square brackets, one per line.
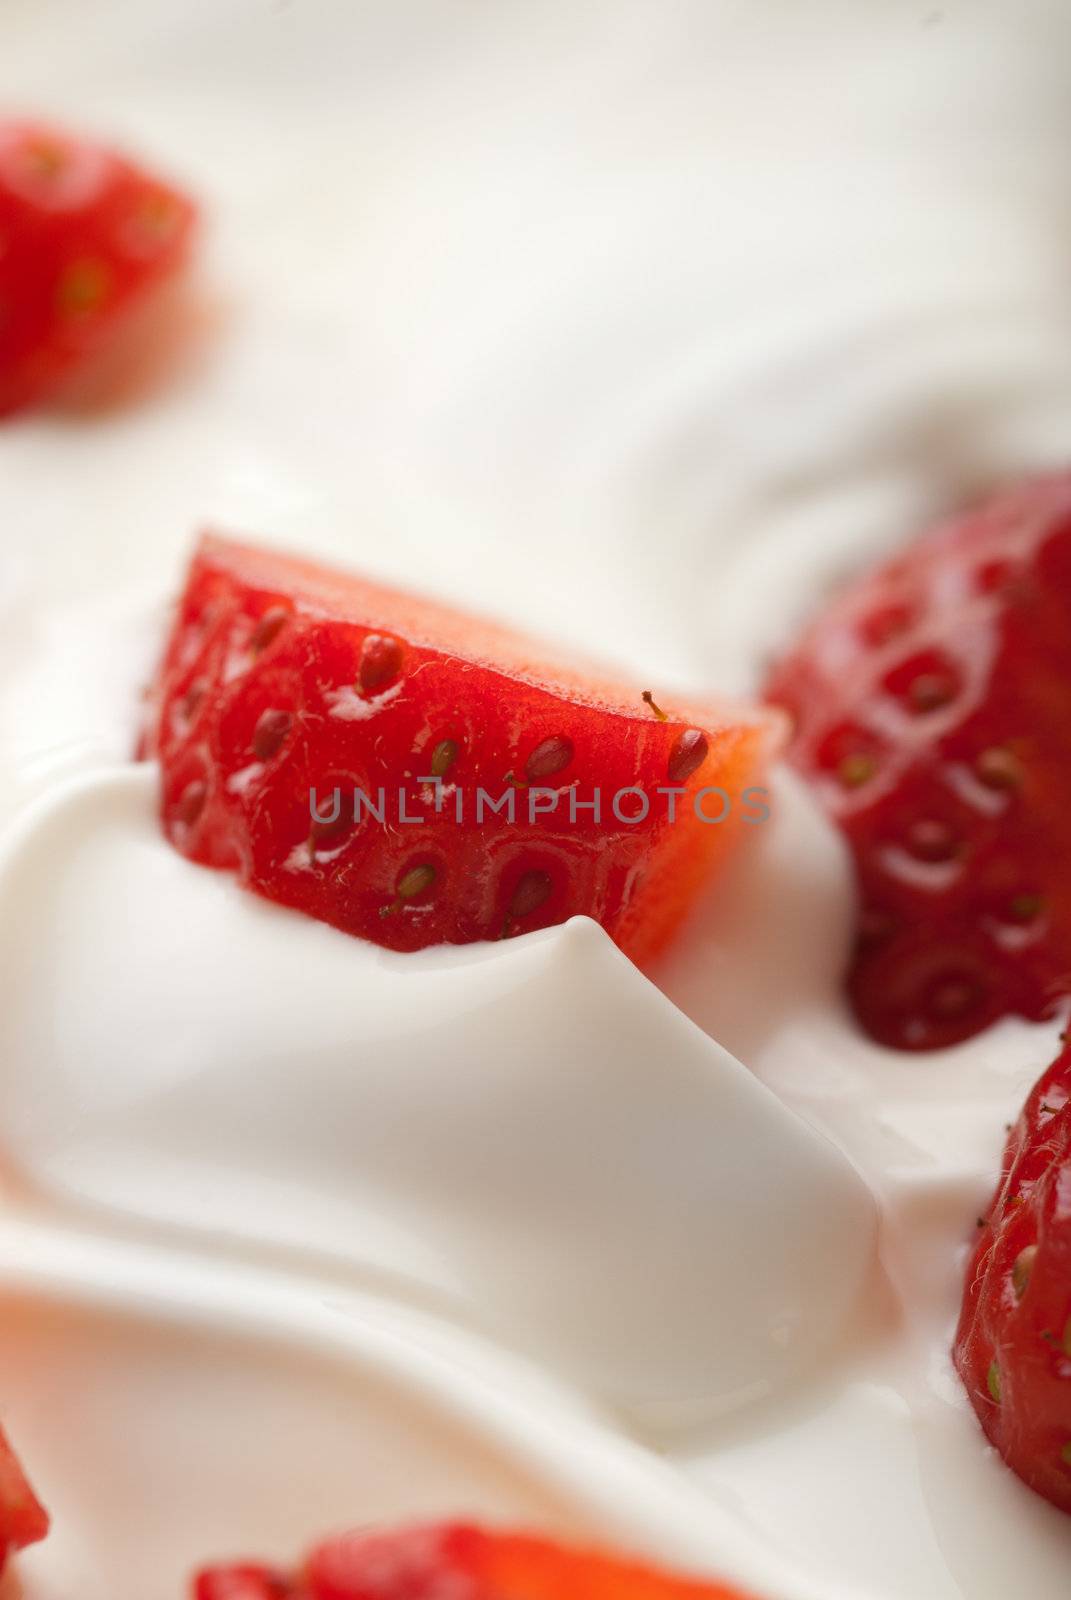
[643, 326]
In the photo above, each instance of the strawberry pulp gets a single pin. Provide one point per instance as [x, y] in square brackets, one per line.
[329, 740]
[461, 1560]
[23, 1520]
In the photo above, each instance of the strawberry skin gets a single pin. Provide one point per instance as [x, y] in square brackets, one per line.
[283, 680]
[83, 234]
[459, 1561]
[930, 706]
[23, 1520]
[244, 1582]
[1013, 1344]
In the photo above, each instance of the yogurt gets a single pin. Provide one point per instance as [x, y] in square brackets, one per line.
[638, 326]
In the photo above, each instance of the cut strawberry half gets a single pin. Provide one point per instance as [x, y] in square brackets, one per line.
[931, 703]
[417, 777]
[464, 1562]
[23, 1520]
[1013, 1344]
[83, 234]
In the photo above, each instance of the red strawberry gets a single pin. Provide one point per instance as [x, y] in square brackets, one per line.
[931, 703]
[243, 1582]
[456, 1561]
[83, 233]
[1013, 1344]
[23, 1520]
[283, 680]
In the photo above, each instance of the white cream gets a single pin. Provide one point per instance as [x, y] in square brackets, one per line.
[525, 1133]
[638, 324]
[184, 1408]
[876, 1477]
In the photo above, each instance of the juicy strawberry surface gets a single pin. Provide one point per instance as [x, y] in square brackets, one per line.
[931, 703]
[244, 1582]
[1013, 1344]
[83, 233]
[284, 681]
[459, 1561]
[23, 1520]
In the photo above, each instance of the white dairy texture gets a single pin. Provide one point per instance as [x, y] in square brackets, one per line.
[638, 325]
[530, 1132]
[223, 1408]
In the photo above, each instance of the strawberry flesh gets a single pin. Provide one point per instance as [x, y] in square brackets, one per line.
[930, 705]
[464, 1562]
[83, 234]
[23, 1520]
[1013, 1344]
[287, 690]
[247, 1581]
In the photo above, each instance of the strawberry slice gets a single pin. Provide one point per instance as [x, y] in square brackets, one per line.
[83, 234]
[1013, 1344]
[245, 1582]
[330, 741]
[23, 1520]
[931, 703]
[466, 1562]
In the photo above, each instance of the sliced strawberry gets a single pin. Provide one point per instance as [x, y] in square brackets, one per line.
[285, 684]
[23, 1520]
[243, 1582]
[1013, 1344]
[931, 703]
[522, 1567]
[83, 233]
[458, 1561]
[411, 1564]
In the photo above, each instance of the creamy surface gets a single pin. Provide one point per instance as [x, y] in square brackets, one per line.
[636, 324]
[527, 1133]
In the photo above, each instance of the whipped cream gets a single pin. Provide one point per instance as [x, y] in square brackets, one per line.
[637, 326]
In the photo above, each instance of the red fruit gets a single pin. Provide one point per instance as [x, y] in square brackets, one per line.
[23, 1520]
[522, 1567]
[243, 1582]
[931, 703]
[1013, 1344]
[284, 681]
[412, 1564]
[83, 233]
[456, 1561]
